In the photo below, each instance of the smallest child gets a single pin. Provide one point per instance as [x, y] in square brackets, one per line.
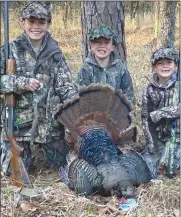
[161, 112]
[103, 66]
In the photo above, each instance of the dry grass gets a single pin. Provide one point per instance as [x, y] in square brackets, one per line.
[155, 200]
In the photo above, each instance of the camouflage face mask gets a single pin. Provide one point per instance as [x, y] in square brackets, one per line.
[36, 10]
[102, 31]
[162, 53]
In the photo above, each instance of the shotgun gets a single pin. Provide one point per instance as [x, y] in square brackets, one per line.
[19, 174]
[172, 141]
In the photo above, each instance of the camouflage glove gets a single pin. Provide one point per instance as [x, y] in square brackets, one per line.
[151, 148]
[156, 116]
[169, 112]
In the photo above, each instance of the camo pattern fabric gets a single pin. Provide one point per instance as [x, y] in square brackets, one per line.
[158, 110]
[51, 69]
[37, 10]
[115, 74]
[50, 154]
[162, 53]
[157, 114]
[102, 31]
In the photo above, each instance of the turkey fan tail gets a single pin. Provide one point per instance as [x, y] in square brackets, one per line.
[128, 136]
[95, 97]
[98, 105]
[104, 98]
[88, 96]
[68, 112]
[98, 120]
[119, 110]
[63, 118]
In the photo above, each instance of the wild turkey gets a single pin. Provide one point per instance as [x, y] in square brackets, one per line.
[99, 122]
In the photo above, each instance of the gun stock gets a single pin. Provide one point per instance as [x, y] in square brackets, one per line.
[19, 174]
[172, 142]
[18, 170]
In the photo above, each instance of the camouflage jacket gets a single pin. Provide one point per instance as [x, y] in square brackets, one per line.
[158, 111]
[50, 67]
[115, 74]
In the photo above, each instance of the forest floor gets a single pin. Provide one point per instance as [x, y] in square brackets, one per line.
[159, 199]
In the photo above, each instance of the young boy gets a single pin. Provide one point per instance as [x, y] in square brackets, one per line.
[161, 112]
[103, 66]
[42, 81]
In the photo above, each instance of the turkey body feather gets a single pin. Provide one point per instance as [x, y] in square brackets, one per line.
[97, 121]
[96, 147]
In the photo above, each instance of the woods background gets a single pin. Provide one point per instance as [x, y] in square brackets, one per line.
[141, 27]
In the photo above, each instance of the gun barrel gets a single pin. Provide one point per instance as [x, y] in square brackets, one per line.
[6, 27]
[19, 173]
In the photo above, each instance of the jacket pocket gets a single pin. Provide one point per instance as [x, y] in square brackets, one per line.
[24, 118]
[24, 101]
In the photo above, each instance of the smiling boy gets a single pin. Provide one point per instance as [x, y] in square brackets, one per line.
[42, 81]
[159, 110]
[103, 65]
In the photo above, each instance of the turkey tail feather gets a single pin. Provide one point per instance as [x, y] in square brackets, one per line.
[98, 105]
[128, 136]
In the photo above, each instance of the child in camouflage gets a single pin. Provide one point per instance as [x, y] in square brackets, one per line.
[103, 65]
[161, 112]
[42, 81]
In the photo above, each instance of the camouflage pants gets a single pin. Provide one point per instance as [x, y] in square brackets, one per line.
[49, 154]
[161, 158]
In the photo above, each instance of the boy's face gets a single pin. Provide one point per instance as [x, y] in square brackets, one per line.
[102, 47]
[165, 68]
[35, 28]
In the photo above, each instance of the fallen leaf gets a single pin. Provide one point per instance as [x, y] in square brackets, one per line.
[109, 210]
[26, 206]
[176, 212]
[102, 211]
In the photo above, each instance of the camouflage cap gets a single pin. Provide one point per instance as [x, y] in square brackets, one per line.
[102, 31]
[162, 53]
[36, 9]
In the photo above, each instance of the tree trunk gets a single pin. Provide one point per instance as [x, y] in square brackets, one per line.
[135, 3]
[166, 28]
[66, 15]
[138, 4]
[111, 14]
[142, 10]
[157, 14]
[132, 9]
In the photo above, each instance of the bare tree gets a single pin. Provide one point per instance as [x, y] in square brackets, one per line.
[157, 17]
[111, 13]
[166, 24]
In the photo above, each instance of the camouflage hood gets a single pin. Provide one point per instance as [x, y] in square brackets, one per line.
[162, 53]
[47, 49]
[154, 81]
[37, 10]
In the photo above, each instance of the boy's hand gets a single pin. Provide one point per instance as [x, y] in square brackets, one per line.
[151, 148]
[33, 84]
